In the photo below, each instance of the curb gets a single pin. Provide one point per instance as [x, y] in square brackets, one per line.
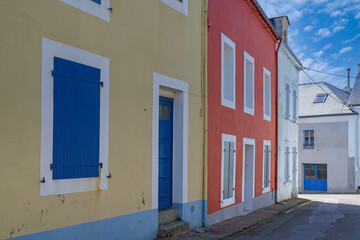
[254, 225]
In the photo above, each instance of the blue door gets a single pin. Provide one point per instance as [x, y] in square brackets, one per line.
[315, 177]
[165, 152]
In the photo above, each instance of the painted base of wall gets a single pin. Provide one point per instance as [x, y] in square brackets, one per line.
[140, 225]
[264, 200]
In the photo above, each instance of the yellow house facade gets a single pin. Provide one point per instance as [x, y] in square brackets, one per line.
[88, 90]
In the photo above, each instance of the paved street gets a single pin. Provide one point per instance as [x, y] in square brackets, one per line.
[329, 216]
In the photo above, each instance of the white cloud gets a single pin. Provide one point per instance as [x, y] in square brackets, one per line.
[351, 39]
[324, 32]
[327, 46]
[357, 16]
[308, 28]
[336, 13]
[339, 25]
[345, 50]
[318, 54]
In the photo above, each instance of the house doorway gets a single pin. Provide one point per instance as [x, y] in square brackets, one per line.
[248, 174]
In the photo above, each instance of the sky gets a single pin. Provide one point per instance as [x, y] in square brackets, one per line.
[324, 35]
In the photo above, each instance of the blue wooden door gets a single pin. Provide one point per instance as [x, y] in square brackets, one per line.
[165, 152]
[315, 177]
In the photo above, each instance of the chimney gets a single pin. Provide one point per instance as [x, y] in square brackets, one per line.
[281, 25]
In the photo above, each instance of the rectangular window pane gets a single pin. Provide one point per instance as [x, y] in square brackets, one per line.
[267, 166]
[226, 170]
[312, 135]
[229, 77]
[309, 170]
[321, 171]
[249, 84]
[231, 169]
[267, 94]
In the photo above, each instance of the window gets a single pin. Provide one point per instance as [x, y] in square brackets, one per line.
[294, 106]
[74, 119]
[309, 171]
[227, 72]
[308, 139]
[98, 8]
[179, 5]
[248, 84]
[287, 165]
[267, 95]
[228, 170]
[287, 101]
[320, 98]
[266, 166]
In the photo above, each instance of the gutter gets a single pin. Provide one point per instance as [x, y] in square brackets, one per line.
[204, 28]
[276, 114]
[329, 115]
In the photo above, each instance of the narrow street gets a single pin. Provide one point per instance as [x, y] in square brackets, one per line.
[328, 216]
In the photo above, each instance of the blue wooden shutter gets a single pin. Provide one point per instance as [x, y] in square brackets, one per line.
[294, 106]
[76, 127]
[287, 153]
[97, 1]
[287, 101]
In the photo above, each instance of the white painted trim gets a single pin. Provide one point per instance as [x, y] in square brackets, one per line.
[231, 44]
[228, 138]
[51, 49]
[98, 10]
[266, 72]
[248, 141]
[180, 135]
[266, 143]
[178, 6]
[250, 59]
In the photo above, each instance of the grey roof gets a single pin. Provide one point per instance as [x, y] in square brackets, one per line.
[331, 106]
[354, 99]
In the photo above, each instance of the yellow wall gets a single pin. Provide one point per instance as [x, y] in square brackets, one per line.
[142, 37]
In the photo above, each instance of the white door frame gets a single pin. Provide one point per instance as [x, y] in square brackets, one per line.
[180, 138]
[248, 141]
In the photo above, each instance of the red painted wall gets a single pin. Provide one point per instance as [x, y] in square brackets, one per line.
[242, 24]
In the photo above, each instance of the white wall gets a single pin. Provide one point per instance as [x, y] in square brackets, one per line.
[288, 130]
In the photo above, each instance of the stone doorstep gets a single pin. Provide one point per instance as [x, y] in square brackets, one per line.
[173, 229]
[168, 216]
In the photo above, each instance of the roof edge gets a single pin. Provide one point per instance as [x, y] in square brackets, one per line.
[330, 115]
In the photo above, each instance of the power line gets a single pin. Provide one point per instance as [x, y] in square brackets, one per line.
[329, 94]
[332, 74]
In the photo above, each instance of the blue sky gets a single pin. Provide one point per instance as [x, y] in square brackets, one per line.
[324, 34]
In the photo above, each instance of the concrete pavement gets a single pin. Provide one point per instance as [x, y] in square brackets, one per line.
[235, 225]
[328, 216]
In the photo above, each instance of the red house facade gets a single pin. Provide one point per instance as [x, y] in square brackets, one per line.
[242, 115]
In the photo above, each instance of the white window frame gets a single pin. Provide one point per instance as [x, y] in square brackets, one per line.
[231, 44]
[268, 73]
[51, 49]
[249, 58]
[227, 138]
[89, 6]
[267, 189]
[180, 7]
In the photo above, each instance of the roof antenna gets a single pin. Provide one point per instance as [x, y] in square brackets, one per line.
[348, 83]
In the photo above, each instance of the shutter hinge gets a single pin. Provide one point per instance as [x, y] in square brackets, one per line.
[52, 73]
[51, 166]
[43, 180]
[101, 165]
[101, 84]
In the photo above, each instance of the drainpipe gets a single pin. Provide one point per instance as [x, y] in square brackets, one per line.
[276, 116]
[204, 27]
